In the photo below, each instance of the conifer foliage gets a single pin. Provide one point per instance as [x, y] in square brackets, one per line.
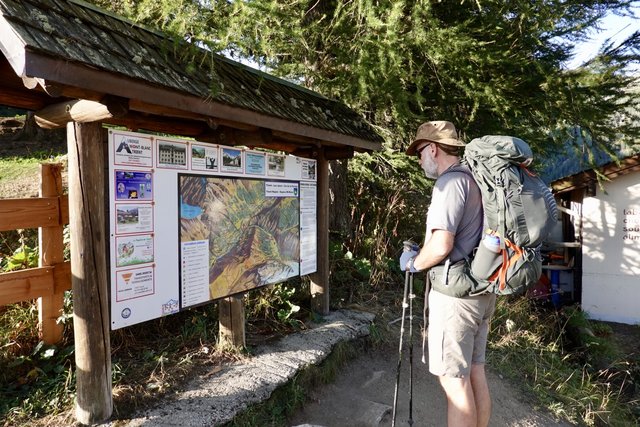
[491, 66]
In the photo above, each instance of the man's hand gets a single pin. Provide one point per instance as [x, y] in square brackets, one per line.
[406, 260]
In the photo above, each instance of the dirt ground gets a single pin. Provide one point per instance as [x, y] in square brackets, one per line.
[363, 393]
[627, 337]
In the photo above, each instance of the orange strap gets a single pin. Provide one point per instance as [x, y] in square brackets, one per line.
[527, 170]
[506, 263]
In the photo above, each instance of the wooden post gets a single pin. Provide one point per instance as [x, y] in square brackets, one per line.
[94, 402]
[51, 245]
[231, 321]
[320, 279]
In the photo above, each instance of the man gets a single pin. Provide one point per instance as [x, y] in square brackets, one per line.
[458, 323]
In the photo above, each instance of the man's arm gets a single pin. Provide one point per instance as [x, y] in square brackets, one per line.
[435, 250]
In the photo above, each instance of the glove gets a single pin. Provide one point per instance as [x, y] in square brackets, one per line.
[404, 259]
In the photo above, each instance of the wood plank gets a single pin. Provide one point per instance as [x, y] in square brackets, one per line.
[51, 243]
[320, 279]
[62, 277]
[94, 401]
[337, 153]
[21, 98]
[138, 121]
[33, 213]
[231, 322]
[25, 285]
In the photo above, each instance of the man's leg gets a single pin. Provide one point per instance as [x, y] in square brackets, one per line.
[461, 406]
[481, 394]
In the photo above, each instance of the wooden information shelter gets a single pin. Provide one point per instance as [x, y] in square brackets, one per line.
[78, 66]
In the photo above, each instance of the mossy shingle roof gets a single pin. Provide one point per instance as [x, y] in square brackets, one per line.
[75, 31]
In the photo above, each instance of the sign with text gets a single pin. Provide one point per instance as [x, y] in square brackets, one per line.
[191, 222]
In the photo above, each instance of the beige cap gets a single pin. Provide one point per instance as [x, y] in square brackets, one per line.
[438, 131]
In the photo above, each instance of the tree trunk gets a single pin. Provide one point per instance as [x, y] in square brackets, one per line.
[30, 130]
[339, 198]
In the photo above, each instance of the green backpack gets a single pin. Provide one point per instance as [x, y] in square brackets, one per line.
[518, 207]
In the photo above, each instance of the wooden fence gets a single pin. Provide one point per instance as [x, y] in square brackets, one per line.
[48, 282]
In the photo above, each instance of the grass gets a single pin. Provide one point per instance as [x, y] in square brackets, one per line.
[14, 167]
[575, 373]
[19, 176]
[37, 380]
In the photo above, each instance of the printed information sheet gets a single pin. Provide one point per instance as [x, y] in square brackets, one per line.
[195, 272]
[308, 228]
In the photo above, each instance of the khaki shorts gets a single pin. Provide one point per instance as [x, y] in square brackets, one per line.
[457, 334]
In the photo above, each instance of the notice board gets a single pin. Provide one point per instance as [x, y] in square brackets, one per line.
[192, 222]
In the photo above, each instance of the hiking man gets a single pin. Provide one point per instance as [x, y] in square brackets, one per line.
[458, 323]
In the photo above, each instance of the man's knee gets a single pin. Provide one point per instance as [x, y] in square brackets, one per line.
[478, 374]
[453, 385]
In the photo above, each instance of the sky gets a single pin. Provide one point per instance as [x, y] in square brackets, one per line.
[615, 27]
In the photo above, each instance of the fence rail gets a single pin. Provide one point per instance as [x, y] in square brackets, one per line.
[33, 283]
[34, 212]
[47, 282]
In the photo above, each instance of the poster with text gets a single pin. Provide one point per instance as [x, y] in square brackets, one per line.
[133, 250]
[134, 283]
[308, 170]
[132, 149]
[308, 228]
[252, 229]
[275, 165]
[133, 185]
[134, 218]
[204, 158]
[255, 163]
[194, 272]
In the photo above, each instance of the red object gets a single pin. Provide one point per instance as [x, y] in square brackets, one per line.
[542, 289]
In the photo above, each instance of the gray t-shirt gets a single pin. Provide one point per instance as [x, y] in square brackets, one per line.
[456, 206]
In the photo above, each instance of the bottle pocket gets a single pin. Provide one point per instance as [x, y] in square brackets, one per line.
[485, 262]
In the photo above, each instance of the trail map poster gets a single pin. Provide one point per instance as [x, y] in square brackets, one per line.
[191, 222]
[249, 230]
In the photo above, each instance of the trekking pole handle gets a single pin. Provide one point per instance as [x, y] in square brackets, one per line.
[409, 245]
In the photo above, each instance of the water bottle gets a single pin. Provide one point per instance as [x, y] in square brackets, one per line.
[487, 258]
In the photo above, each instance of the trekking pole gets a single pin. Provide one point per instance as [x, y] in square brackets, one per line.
[408, 277]
[404, 308]
[411, 296]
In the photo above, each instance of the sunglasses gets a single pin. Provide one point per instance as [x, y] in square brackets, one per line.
[421, 149]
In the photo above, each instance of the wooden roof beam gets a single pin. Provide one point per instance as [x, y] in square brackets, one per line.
[261, 138]
[177, 127]
[81, 111]
[213, 122]
[26, 100]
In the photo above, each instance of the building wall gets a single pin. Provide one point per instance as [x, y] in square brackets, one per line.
[611, 251]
